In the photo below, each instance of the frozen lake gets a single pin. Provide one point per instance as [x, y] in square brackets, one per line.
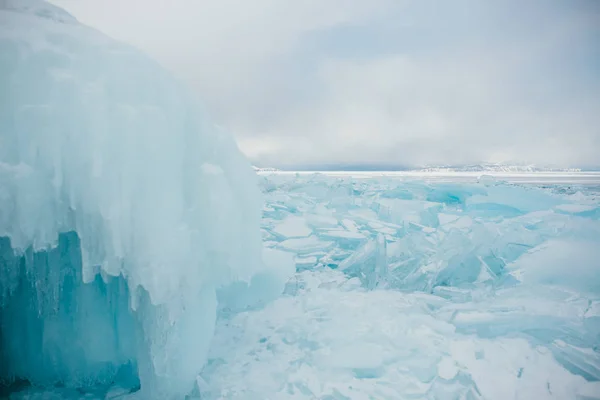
[416, 286]
[422, 286]
[579, 178]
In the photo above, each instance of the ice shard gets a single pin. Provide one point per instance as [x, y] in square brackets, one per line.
[122, 212]
[368, 263]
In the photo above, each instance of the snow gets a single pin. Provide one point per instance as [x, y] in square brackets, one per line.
[538, 375]
[593, 310]
[377, 343]
[499, 167]
[590, 391]
[546, 264]
[119, 203]
[447, 368]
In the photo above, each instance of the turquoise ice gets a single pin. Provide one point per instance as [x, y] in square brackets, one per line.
[119, 204]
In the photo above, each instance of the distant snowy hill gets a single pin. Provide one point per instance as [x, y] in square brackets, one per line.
[491, 168]
[496, 168]
[257, 169]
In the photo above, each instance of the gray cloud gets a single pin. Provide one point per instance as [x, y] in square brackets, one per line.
[381, 81]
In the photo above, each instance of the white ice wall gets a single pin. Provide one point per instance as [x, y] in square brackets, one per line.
[98, 139]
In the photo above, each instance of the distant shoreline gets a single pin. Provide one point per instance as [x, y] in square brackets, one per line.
[508, 169]
[556, 177]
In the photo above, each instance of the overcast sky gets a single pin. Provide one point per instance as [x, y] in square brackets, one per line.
[386, 82]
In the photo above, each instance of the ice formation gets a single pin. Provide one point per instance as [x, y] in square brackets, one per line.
[130, 254]
[124, 214]
[477, 290]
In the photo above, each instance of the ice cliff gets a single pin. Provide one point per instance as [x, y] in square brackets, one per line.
[124, 214]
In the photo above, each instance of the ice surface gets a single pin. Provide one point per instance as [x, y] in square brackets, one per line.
[350, 225]
[590, 391]
[575, 208]
[353, 345]
[130, 254]
[123, 212]
[368, 263]
[342, 235]
[304, 262]
[265, 286]
[321, 221]
[305, 245]
[468, 291]
[546, 264]
[292, 227]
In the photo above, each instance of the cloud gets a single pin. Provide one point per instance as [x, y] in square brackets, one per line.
[321, 82]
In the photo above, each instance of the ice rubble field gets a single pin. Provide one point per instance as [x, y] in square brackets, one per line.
[413, 290]
[406, 289]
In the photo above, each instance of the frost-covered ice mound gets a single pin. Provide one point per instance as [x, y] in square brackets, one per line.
[455, 291]
[125, 217]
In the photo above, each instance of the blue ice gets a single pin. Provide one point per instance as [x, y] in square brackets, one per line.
[119, 202]
[135, 263]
